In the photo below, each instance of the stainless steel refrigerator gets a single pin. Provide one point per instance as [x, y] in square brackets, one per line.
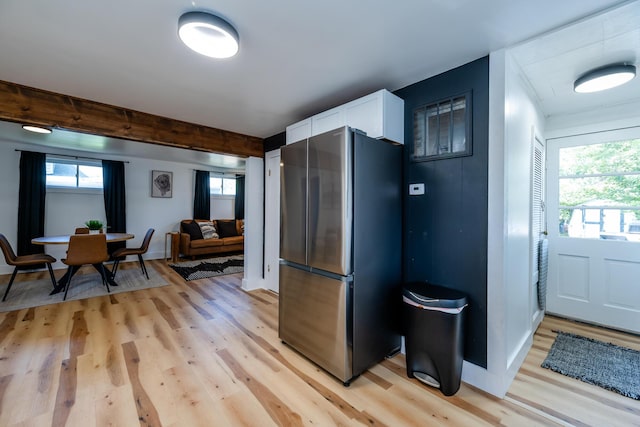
[340, 249]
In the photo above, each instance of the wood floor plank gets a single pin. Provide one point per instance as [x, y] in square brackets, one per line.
[234, 411]
[147, 412]
[207, 353]
[278, 410]
[115, 407]
[191, 402]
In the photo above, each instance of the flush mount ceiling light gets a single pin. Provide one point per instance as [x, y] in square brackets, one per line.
[208, 34]
[36, 129]
[604, 78]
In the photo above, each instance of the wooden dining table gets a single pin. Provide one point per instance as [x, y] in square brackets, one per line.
[64, 240]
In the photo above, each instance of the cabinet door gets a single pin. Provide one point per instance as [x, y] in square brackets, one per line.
[298, 131]
[328, 120]
[380, 115]
[365, 114]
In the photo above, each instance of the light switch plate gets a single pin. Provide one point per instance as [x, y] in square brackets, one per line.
[416, 189]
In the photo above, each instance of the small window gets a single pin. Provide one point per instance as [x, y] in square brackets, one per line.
[222, 186]
[442, 129]
[73, 173]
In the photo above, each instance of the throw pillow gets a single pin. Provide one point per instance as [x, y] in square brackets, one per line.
[193, 229]
[208, 230]
[227, 228]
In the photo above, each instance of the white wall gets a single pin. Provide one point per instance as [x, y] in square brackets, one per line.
[512, 113]
[253, 227]
[65, 211]
[522, 115]
[595, 120]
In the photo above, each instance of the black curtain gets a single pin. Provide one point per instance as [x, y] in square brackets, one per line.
[114, 200]
[240, 197]
[202, 196]
[33, 188]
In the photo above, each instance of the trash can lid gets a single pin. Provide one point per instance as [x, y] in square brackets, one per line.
[430, 295]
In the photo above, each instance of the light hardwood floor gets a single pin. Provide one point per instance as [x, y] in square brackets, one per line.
[205, 353]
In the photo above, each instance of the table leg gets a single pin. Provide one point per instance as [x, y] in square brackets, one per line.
[62, 282]
[107, 273]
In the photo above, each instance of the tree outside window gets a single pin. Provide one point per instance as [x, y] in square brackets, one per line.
[599, 190]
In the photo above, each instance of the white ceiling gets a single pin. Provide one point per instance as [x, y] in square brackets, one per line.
[297, 58]
[552, 62]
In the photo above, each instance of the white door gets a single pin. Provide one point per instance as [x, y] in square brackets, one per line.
[593, 213]
[272, 219]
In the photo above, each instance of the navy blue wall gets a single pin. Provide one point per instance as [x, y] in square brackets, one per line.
[274, 142]
[445, 230]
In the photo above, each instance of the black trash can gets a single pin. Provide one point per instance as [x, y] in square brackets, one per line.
[434, 334]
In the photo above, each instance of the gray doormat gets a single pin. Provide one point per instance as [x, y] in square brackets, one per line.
[595, 362]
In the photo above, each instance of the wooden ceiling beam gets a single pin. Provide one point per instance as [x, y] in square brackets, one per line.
[26, 105]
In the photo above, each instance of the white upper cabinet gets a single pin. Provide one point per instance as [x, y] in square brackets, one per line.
[328, 120]
[299, 131]
[380, 115]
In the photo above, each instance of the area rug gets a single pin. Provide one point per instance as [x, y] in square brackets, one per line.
[595, 362]
[210, 267]
[85, 284]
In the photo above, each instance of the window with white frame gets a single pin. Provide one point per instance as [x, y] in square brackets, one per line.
[73, 173]
[222, 186]
[599, 190]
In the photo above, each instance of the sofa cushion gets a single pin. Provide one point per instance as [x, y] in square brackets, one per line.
[193, 229]
[208, 230]
[233, 240]
[227, 228]
[206, 243]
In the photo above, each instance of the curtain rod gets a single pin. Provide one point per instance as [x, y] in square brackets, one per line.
[72, 157]
[216, 172]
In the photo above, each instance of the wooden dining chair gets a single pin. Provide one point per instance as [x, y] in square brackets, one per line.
[24, 261]
[86, 249]
[82, 230]
[123, 252]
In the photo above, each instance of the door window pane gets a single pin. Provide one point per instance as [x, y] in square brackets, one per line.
[599, 190]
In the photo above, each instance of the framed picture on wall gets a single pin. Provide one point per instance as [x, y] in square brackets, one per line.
[161, 184]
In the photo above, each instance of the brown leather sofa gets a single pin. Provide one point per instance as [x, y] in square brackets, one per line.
[192, 244]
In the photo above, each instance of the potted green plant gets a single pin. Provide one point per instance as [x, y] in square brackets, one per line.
[94, 226]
